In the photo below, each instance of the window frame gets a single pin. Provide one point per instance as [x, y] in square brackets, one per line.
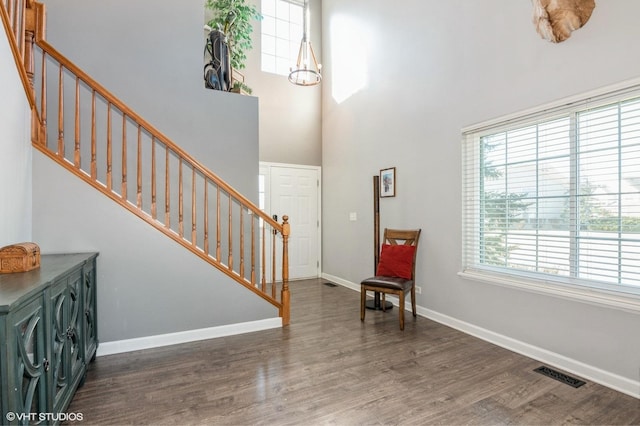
[278, 40]
[569, 287]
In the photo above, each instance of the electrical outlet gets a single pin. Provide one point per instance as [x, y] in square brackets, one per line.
[418, 290]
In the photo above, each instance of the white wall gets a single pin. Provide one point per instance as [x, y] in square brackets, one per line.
[422, 71]
[290, 115]
[15, 146]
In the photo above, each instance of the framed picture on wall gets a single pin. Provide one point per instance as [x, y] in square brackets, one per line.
[388, 182]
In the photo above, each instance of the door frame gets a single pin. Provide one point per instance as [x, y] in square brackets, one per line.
[265, 169]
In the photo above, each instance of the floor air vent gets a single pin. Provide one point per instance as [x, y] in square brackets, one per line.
[561, 377]
[330, 284]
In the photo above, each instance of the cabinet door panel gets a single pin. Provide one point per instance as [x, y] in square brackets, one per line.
[59, 348]
[28, 379]
[74, 332]
[90, 326]
[67, 362]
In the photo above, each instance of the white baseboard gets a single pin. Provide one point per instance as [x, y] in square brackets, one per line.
[344, 283]
[148, 342]
[595, 374]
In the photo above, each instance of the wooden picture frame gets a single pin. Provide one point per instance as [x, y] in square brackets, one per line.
[388, 182]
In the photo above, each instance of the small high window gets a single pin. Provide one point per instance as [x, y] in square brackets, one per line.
[281, 34]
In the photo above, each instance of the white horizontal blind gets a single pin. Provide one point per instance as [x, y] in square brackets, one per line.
[556, 195]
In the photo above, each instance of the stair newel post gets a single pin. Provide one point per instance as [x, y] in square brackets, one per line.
[30, 21]
[28, 57]
[33, 30]
[285, 314]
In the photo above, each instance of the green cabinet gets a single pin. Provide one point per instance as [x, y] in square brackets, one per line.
[48, 336]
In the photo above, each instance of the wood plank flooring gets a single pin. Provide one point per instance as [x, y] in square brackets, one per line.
[329, 368]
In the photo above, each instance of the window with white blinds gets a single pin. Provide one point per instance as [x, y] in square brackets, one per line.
[555, 195]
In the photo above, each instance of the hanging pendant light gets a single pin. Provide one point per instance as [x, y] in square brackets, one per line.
[307, 69]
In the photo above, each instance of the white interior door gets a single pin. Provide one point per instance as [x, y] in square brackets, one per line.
[294, 191]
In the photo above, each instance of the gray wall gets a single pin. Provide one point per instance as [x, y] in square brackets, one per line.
[431, 68]
[147, 284]
[149, 54]
[15, 145]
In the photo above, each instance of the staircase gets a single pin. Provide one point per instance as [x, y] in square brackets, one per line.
[87, 130]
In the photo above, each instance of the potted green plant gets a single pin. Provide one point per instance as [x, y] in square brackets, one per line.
[234, 18]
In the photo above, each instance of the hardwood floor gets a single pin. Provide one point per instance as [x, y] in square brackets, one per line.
[329, 368]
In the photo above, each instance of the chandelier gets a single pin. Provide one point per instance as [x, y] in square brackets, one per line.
[307, 69]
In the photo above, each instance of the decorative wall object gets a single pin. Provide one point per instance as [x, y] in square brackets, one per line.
[388, 182]
[556, 19]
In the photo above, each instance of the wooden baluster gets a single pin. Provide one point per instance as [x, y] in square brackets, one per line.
[61, 112]
[253, 248]
[193, 206]
[35, 127]
[167, 190]
[29, 60]
[285, 296]
[43, 101]
[241, 241]
[218, 223]
[123, 188]
[20, 29]
[180, 200]
[230, 258]
[11, 6]
[206, 216]
[154, 207]
[76, 148]
[30, 63]
[263, 277]
[13, 17]
[28, 54]
[139, 170]
[29, 40]
[109, 150]
[94, 167]
[273, 263]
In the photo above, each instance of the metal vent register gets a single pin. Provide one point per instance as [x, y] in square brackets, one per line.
[561, 377]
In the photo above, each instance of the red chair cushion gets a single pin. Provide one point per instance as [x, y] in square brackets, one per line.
[396, 261]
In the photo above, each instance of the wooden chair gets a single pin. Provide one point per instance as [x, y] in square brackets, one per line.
[385, 282]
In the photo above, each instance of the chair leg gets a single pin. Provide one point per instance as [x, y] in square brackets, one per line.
[383, 301]
[363, 301]
[401, 310]
[413, 300]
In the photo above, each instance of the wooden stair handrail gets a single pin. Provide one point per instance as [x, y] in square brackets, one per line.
[24, 23]
[168, 232]
[113, 100]
[17, 49]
